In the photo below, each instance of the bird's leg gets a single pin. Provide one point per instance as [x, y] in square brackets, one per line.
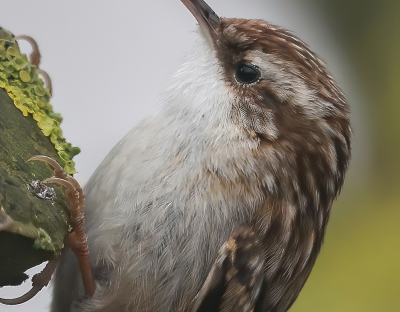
[77, 239]
[235, 279]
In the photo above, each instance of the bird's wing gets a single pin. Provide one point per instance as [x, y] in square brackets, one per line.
[236, 277]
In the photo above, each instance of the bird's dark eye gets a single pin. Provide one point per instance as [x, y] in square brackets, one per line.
[246, 73]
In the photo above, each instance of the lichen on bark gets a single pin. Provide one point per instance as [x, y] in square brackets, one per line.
[20, 79]
[32, 229]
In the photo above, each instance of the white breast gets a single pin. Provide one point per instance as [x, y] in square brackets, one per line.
[169, 194]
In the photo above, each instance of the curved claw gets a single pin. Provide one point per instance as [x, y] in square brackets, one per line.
[68, 185]
[47, 80]
[48, 160]
[38, 282]
[75, 201]
[58, 170]
[35, 56]
[35, 59]
[24, 298]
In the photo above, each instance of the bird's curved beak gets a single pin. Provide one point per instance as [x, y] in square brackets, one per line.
[206, 17]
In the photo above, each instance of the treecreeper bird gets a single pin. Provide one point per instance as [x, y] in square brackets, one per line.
[220, 200]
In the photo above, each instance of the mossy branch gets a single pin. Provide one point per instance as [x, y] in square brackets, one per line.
[32, 229]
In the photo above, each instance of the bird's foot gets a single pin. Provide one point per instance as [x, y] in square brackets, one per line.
[75, 201]
[35, 58]
[39, 281]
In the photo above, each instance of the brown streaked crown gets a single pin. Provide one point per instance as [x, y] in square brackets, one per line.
[293, 68]
[237, 37]
[295, 103]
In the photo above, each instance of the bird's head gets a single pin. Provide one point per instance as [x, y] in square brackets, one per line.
[283, 95]
[281, 86]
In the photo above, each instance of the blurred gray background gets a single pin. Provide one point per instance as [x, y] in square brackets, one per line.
[110, 61]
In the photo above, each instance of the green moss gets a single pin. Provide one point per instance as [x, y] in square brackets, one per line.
[19, 78]
[32, 229]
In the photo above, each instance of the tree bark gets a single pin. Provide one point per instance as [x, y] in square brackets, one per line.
[32, 229]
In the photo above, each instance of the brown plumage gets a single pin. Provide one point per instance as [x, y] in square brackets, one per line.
[312, 151]
[219, 202]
